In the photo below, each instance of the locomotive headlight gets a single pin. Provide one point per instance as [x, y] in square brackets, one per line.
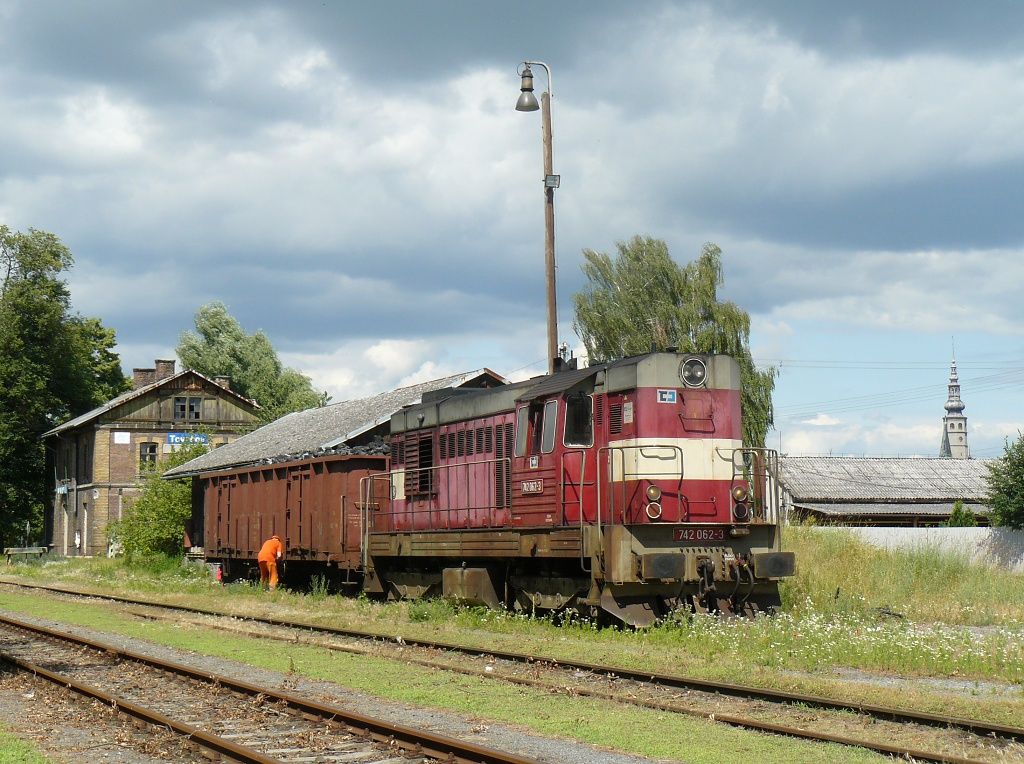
[740, 493]
[653, 493]
[693, 372]
[741, 513]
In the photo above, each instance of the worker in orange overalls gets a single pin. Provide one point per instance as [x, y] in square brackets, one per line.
[271, 551]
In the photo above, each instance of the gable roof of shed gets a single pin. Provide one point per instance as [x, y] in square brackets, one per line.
[883, 479]
[319, 429]
[113, 403]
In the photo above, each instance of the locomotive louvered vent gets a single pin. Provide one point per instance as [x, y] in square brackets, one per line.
[489, 440]
[426, 449]
[480, 440]
[510, 439]
[598, 412]
[442, 446]
[615, 418]
[451, 445]
[461, 443]
[503, 465]
[470, 442]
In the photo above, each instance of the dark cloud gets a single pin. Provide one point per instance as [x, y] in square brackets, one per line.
[945, 208]
[894, 28]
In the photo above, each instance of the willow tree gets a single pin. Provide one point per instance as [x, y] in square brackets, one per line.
[220, 346]
[642, 298]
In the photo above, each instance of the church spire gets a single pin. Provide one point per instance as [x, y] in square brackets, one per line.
[954, 423]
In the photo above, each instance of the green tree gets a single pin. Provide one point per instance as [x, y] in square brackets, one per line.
[154, 523]
[219, 346]
[54, 364]
[1006, 486]
[642, 298]
[961, 517]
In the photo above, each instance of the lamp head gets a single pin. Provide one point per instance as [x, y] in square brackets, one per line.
[527, 100]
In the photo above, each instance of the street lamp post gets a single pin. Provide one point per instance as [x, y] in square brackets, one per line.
[528, 102]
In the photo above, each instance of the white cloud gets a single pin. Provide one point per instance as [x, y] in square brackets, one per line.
[299, 70]
[886, 438]
[821, 420]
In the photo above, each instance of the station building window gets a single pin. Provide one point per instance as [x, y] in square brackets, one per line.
[147, 456]
[188, 409]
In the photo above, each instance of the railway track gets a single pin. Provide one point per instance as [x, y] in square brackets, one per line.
[222, 716]
[994, 734]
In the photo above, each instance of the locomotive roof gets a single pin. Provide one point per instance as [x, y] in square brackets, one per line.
[447, 407]
[321, 430]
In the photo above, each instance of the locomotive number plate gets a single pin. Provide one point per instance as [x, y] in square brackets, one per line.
[533, 486]
[699, 534]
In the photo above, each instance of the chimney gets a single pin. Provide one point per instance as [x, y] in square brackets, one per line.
[143, 377]
[164, 369]
[223, 381]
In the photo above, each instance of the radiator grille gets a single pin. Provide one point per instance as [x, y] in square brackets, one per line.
[615, 418]
[503, 467]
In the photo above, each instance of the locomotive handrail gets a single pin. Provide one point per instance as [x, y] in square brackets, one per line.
[772, 484]
[365, 504]
[621, 450]
[561, 493]
[468, 482]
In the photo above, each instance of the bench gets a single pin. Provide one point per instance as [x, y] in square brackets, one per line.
[23, 551]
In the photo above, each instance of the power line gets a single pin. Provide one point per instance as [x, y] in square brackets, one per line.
[1006, 379]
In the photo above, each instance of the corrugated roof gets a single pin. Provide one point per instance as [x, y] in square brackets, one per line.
[868, 478]
[906, 508]
[125, 397]
[316, 429]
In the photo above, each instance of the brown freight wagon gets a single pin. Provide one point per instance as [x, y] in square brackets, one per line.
[312, 504]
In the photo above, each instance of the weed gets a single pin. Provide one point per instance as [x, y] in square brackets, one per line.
[437, 609]
[318, 588]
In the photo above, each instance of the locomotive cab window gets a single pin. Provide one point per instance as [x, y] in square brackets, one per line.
[522, 426]
[535, 428]
[579, 420]
[547, 443]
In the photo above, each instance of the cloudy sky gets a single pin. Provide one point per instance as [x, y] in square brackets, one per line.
[352, 179]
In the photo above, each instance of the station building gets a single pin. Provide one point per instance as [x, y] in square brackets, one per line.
[96, 462]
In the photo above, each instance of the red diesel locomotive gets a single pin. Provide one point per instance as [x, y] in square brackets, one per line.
[623, 488]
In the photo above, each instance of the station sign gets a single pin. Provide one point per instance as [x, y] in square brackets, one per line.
[180, 438]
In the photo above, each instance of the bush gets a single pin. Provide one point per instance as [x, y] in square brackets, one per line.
[961, 517]
[154, 524]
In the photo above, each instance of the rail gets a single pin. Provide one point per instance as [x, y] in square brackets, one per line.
[410, 740]
[977, 727]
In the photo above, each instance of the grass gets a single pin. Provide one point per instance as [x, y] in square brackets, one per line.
[649, 733]
[839, 573]
[16, 751]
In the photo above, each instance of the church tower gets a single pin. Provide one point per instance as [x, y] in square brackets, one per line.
[954, 423]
